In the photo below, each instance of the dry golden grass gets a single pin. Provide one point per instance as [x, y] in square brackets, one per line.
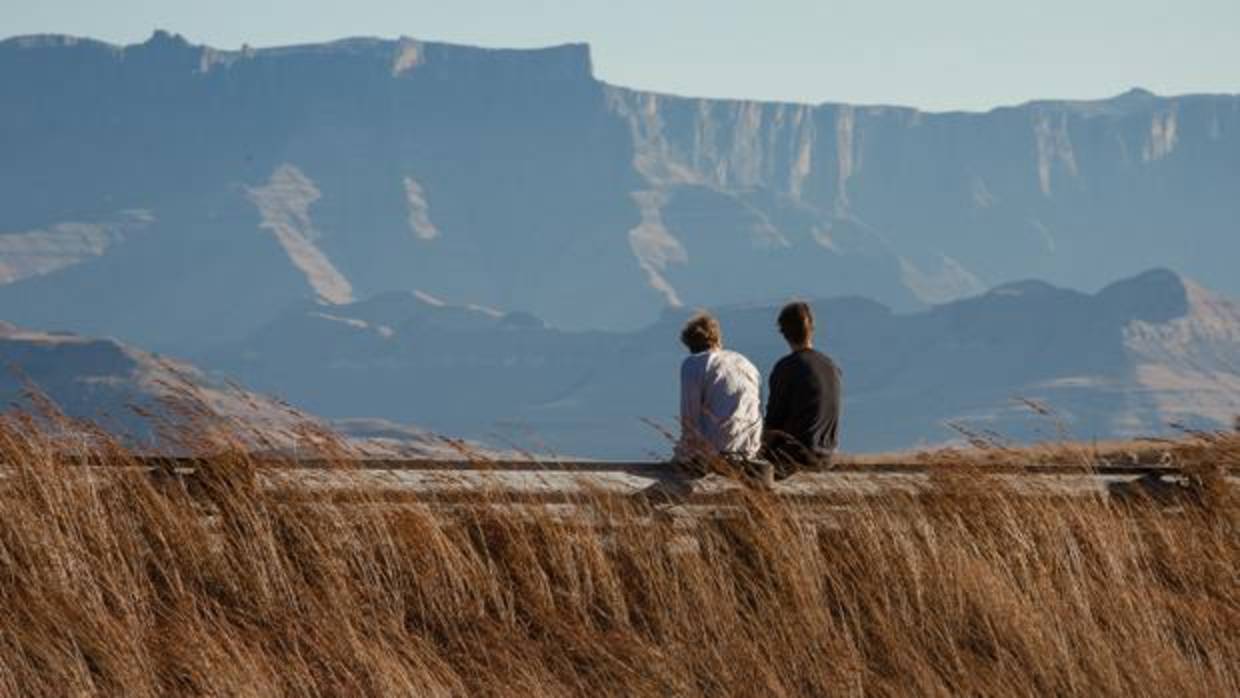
[120, 584]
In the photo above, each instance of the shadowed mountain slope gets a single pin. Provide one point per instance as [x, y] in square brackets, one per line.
[133, 394]
[118, 386]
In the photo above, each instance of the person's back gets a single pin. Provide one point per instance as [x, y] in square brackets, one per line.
[720, 405]
[804, 407]
[720, 397]
[803, 410]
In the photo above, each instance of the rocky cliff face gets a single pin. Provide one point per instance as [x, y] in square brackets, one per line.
[175, 194]
[334, 171]
[1066, 191]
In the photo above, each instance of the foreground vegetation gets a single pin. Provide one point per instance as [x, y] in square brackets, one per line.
[124, 584]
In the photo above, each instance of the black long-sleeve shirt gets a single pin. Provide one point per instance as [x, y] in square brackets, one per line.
[803, 411]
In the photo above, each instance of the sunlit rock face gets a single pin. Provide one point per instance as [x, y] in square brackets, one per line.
[176, 194]
[31, 253]
[1073, 192]
[333, 171]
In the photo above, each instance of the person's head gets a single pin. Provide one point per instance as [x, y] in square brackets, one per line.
[701, 333]
[796, 324]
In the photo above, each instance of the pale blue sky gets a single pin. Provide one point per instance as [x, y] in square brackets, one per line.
[934, 54]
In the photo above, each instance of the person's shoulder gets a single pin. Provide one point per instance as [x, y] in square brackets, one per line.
[694, 362]
[736, 356]
[825, 360]
[820, 356]
[787, 359]
[739, 360]
[787, 362]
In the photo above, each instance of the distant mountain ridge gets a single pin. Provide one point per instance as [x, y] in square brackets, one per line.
[1130, 360]
[118, 387]
[173, 194]
[134, 395]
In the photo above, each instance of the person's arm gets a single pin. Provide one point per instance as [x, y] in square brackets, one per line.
[835, 401]
[690, 410]
[752, 442]
[776, 403]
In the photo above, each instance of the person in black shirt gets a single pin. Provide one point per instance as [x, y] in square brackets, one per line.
[801, 428]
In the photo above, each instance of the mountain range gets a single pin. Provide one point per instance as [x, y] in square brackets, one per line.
[1131, 360]
[173, 195]
[1024, 361]
[495, 244]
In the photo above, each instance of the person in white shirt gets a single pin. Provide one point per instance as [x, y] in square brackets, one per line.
[720, 398]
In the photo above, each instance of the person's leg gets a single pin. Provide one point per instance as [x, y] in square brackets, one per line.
[821, 462]
[786, 456]
[757, 472]
[769, 476]
[677, 483]
[691, 468]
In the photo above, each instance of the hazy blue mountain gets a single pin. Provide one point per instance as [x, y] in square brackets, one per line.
[119, 386]
[131, 393]
[175, 195]
[1129, 360]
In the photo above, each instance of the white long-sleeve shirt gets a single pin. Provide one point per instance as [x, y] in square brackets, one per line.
[720, 405]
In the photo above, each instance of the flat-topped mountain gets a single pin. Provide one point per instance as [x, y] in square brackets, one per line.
[1130, 360]
[174, 194]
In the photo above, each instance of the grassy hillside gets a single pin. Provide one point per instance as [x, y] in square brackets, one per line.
[123, 584]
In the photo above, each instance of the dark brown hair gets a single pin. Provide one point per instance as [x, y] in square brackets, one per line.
[701, 332]
[796, 322]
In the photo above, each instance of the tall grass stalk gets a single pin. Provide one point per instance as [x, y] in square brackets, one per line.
[116, 583]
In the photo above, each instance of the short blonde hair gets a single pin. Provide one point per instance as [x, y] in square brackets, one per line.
[701, 332]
